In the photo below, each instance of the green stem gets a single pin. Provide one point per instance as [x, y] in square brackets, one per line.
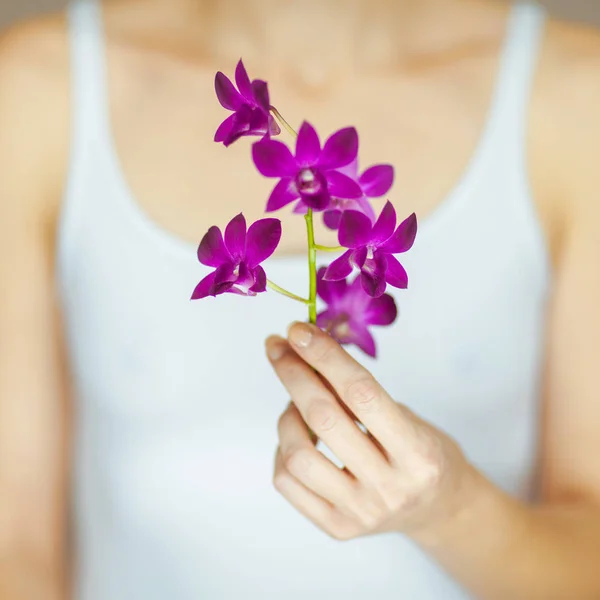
[283, 122]
[312, 268]
[329, 248]
[285, 293]
[312, 247]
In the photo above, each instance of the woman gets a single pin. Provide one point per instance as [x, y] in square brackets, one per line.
[109, 179]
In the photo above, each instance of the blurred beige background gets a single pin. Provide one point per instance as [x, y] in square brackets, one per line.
[10, 10]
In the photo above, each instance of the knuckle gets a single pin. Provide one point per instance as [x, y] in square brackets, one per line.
[363, 394]
[281, 481]
[430, 475]
[398, 499]
[341, 533]
[370, 517]
[289, 368]
[391, 495]
[405, 503]
[283, 421]
[430, 467]
[367, 510]
[298, 461]
[321, 415]
[324, 349]
[340, 528]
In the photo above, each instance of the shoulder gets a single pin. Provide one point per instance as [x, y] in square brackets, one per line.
[565, 119]
[34, 54]
[572, 44]
[34, 108]
[570, 72]
[570, 82]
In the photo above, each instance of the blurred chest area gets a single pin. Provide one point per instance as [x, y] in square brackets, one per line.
[156, 372]
[164, 122]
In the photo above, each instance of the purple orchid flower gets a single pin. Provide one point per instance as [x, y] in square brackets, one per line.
[312, 175]
[250, 106]
[237, 258]
[351, 311]
[372, 249]
[376, 181]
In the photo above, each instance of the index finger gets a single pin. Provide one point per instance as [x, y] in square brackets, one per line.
[391, 425]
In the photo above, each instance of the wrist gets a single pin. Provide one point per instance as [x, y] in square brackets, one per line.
[478, 507]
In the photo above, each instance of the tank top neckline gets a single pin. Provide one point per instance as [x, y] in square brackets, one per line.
[451, 205]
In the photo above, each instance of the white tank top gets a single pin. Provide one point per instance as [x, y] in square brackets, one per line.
[177, 406]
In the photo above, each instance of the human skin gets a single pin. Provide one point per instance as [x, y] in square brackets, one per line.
[162, 55]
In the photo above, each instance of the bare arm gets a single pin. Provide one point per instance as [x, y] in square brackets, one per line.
[33, 423]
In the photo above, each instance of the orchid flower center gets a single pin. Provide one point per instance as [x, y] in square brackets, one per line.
[370, 251]
[308, 182]
[340, 327]
[236, 271]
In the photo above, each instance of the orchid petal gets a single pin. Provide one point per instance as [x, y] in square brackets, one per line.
[373, 285]
[260, 278]
[308, 146]
[341, 186]
[235, 236]
[340, 149]
[283, 193]
[300, 208]
[385, 225]
[203, 288]
[273, 159]
[245, 278]
[225, 274]
[212, 251]
[351, 170]
[262, 240]
[260, 93]
[330, 291]
[323, 286]
[224, 279]
[364, 206]
[355, 229]
[224, 130]
[372, 277]
[340, 268]
[360, 336]
[403, 238]
[227, 95]
[377, 180]
[325, 319]
[396, 274]
[358, 299]
[381, 311]
[233, 289]
[240, 124]
[274, 128]
[243, 82]
[359, 257]
[319, 201]
[332, 218]
[258, 123]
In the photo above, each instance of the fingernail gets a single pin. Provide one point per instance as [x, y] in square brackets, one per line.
[275, 348]
[300, 334]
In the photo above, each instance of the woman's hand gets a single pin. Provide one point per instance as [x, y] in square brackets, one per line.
[404, 475]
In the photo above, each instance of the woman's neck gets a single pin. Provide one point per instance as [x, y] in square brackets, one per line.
[313, 43]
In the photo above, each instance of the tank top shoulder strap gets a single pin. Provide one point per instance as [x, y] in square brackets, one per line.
[519, 63]
[88, 70]
[90, 130]
[515, 85]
